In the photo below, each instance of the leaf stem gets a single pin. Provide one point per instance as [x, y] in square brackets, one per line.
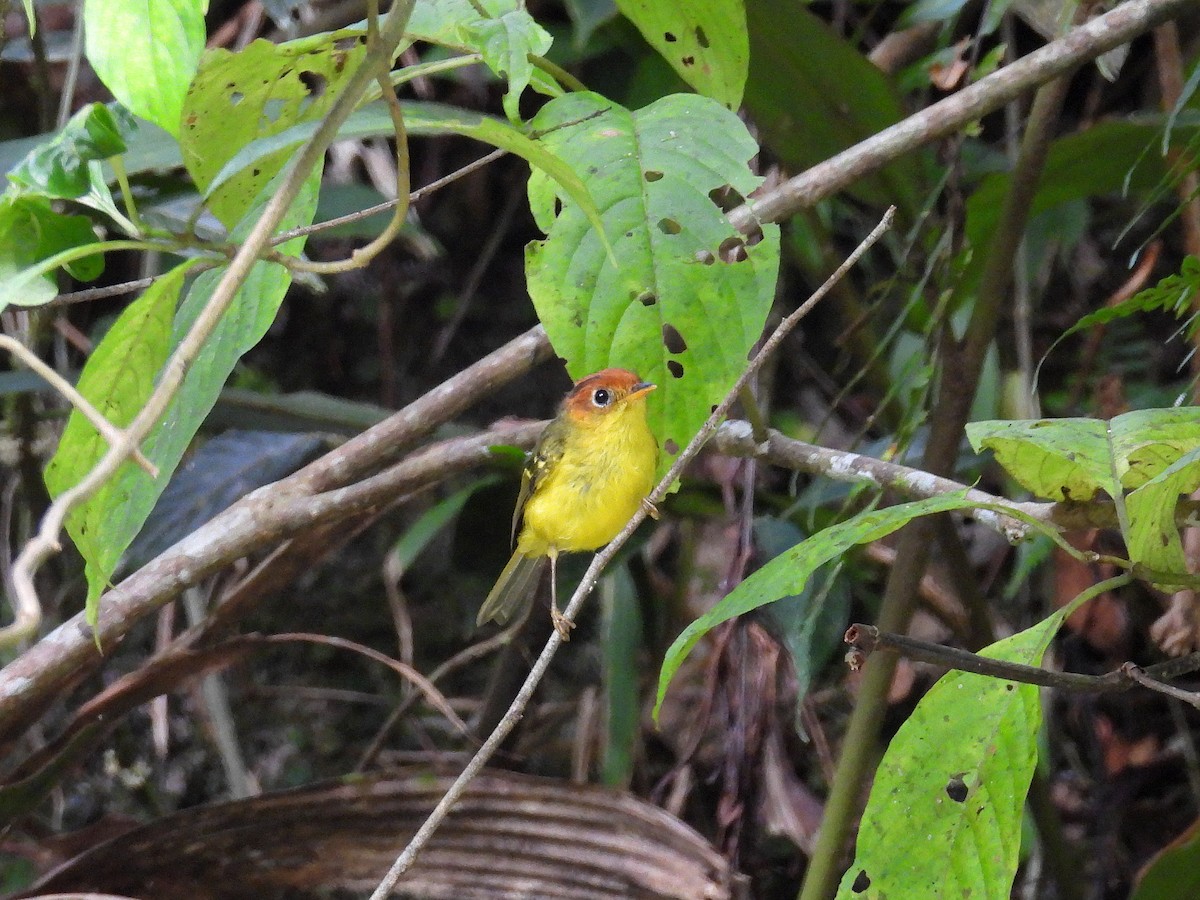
[118, 167]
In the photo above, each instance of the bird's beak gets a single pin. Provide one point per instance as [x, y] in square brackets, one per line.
[642, 387]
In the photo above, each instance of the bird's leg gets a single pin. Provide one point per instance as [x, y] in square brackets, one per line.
[562, 624]
[651, 509]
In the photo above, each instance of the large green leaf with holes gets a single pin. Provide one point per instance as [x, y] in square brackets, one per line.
[257, 92]
[145, 52]
[704, 41]
[944, 816]
[685, 297]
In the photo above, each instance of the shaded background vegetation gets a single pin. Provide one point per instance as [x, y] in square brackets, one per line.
[751, 729]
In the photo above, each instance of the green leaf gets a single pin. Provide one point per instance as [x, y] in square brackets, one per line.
[1147, 441]
[622, 642]
[146, 52]
[788, 573]
[1174, 872]
[259, 91]
[944, 816]
[1153, 538]
[705, 41]
[59, 168]
[127, 499]
[118, 378]
[813, 622]
[1173, 295]
[1062, 459]
[506, 43]
[1070, 459]
[31, 231]
[587, 16]
[682, 310]
[812, 94]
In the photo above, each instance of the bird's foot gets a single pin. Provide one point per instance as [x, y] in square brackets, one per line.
[651, 509]
[562, 624]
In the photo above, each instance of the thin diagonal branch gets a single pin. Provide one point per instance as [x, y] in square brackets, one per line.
[515, 711]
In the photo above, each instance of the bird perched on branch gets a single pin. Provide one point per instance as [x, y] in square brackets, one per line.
[591, 469]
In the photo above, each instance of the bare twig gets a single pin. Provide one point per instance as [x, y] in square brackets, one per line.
[110, 432]
[867, 639]
[413, 197]
[1141, 676]
[432, 695]
[409, 855]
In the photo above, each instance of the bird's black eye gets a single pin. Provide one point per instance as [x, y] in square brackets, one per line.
[601, 397]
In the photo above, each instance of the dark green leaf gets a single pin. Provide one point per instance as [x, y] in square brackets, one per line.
[812, 95]
[31, 231]
[216, 476]
[59, 168]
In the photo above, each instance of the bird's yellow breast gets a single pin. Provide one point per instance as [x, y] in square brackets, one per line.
[594, 487]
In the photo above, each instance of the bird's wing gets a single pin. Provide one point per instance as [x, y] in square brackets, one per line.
[549, 450]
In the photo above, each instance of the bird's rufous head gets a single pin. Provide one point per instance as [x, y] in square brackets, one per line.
[603, 391]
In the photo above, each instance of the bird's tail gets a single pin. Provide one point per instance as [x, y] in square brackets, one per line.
[512, 594]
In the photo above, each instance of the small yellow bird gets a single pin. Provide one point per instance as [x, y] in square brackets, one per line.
[591, 469]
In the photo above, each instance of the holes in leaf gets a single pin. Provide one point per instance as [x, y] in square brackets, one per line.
[725, 198]
[669, 37]
[956, 789]
[651, 175]
[707, 257]
[672, 339]
[675, 367]
[701, 37]
[669, 226]
[732, 249]
[648, 298]
[314, 82]
[688, 60]
[754, 237]
[236, 97]
[861, 882]
[671, 447]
